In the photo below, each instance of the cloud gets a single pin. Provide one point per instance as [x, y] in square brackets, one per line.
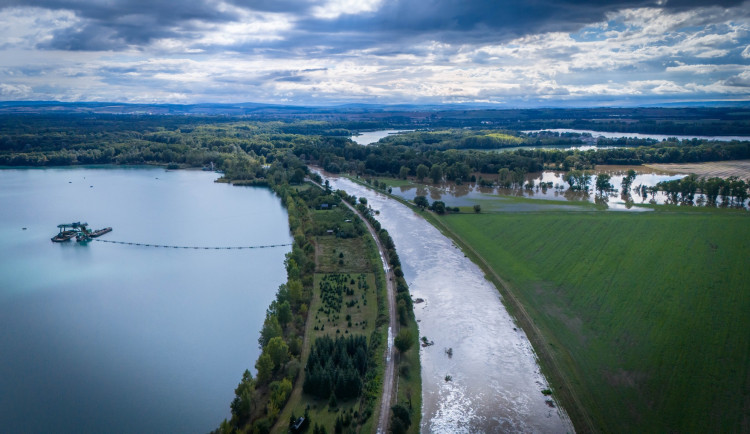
[16, 91]
[316, 51]
[740, 80]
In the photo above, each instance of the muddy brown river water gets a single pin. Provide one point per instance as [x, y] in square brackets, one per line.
[496, 384]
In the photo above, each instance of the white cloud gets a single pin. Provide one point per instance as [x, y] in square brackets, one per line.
[335, 8]
[14, 91]
[27, 27]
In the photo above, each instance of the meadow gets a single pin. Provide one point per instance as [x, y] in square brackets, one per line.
[646, 313]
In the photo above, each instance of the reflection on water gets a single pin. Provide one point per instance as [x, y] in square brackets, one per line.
[496, 383]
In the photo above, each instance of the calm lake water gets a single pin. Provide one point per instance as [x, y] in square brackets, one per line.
[113, 338]
[496, 383]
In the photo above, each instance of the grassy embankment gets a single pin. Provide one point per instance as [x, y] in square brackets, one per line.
[645, 314]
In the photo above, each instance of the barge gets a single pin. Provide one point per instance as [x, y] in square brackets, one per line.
[78, 230]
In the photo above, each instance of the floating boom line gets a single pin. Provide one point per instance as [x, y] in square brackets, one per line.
[193, 247]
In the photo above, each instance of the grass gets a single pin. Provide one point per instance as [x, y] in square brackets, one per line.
[646, 314]
[341, 255]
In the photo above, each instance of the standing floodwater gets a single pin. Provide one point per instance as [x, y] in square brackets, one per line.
[491, 382]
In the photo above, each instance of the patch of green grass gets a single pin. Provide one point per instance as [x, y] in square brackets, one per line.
[362, 314]
[646, 313]
[341, 255]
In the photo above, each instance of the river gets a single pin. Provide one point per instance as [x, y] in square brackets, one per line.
[115, 338]
[496, 384]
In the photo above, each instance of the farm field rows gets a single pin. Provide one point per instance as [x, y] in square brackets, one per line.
[645, 312]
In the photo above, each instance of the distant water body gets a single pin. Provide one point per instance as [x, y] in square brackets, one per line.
[112, 338]
[642, 136]
[370, 137]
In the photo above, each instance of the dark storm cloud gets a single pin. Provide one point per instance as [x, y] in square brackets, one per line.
[481, 20]
[116, 24]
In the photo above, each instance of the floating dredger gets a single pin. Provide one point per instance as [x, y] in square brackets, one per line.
[78, 230]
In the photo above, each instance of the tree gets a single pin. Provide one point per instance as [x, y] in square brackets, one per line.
[504, 177]
[363, 200]
[422, 172]
[280, 391]
[284, 313]
[243, 403]
[264, 365]
[271, 329]
[436, 173]
[421, 201]
[403, 340]
[400, 419]
[438, 206]
[519, 174]
[477, 208]
[403, 173]
[602, 183]
[278, 350]
[627, 181]
[297, 177]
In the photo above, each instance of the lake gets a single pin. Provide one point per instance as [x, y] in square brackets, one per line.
[115, 338]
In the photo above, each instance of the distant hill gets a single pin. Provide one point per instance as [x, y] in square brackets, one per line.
[350, 110]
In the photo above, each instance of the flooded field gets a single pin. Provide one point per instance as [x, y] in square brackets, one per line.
[470, 193]
[491, 382]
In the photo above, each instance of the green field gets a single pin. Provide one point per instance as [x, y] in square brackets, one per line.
[646, 314]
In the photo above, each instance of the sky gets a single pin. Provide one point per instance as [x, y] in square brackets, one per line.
[508, 53]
